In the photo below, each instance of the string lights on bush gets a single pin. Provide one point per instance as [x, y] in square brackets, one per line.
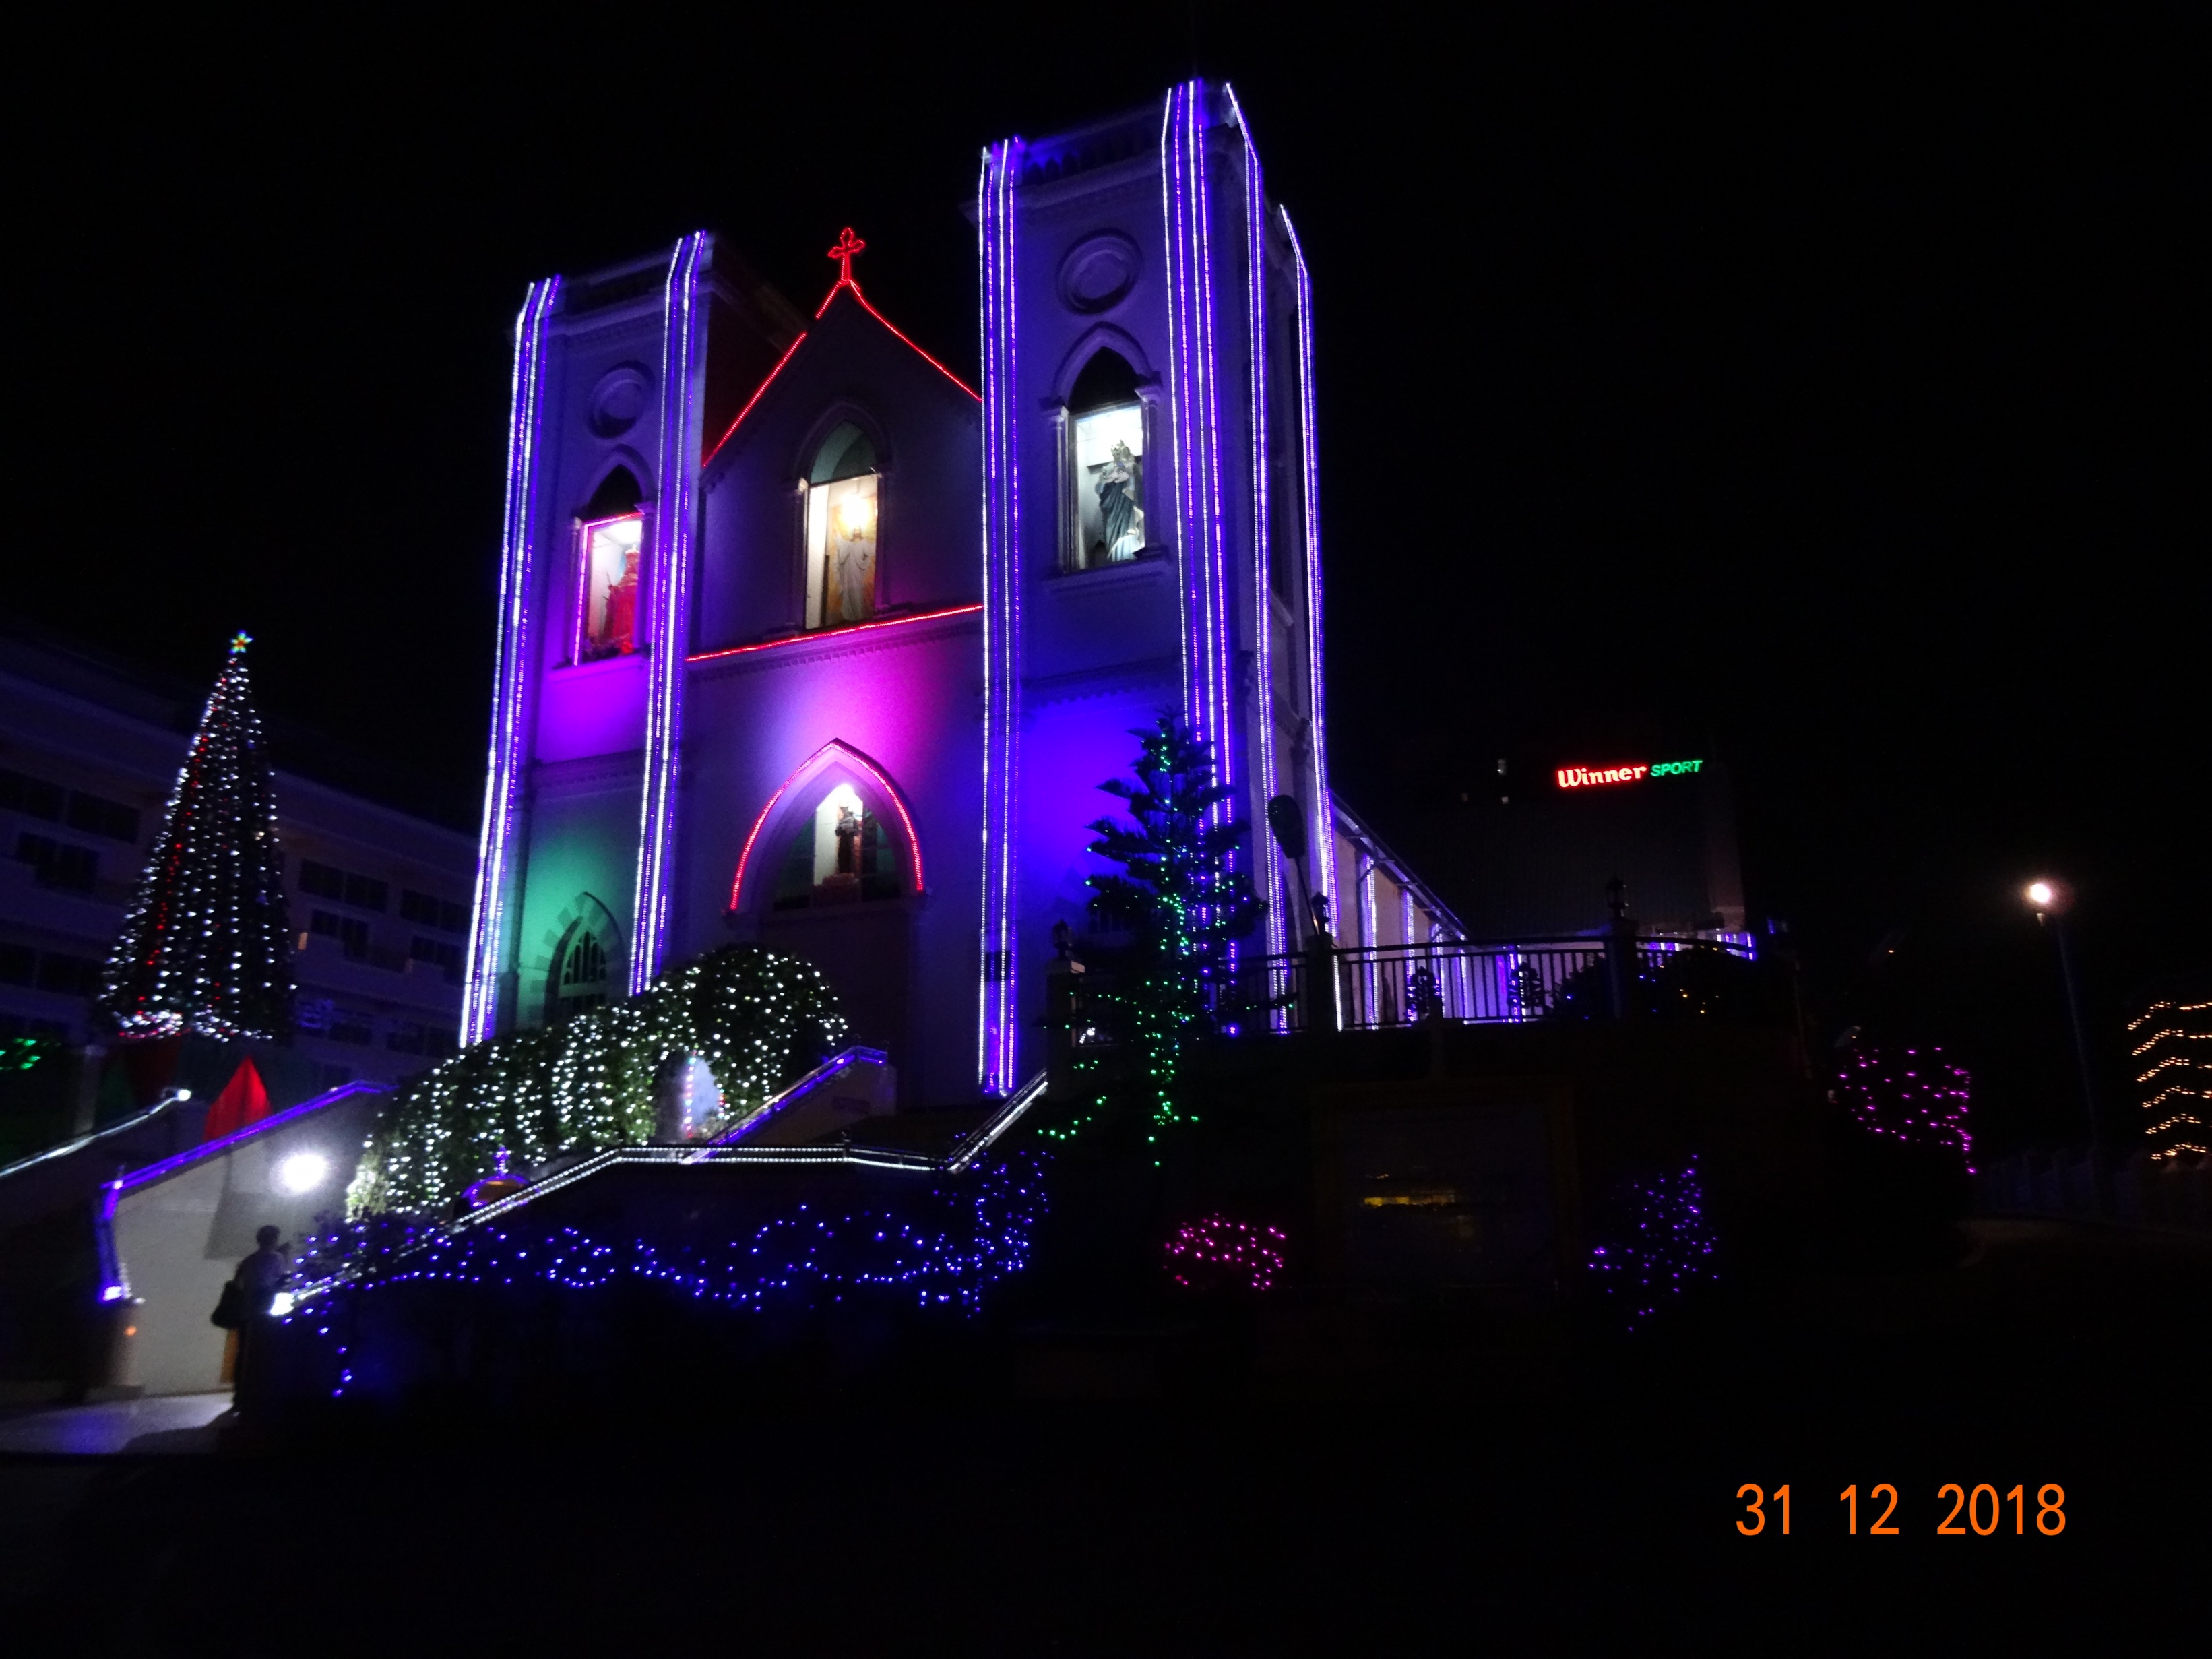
[1665, 1246]
[1217, 1254]
[943, 1249]
[758, 1017]
[1914, 1095]
[207, 946]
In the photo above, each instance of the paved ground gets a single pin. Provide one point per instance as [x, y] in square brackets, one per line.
[1448, 1502]
[167, 1424]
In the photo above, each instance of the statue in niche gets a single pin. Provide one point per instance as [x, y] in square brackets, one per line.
[849, 841]
[1121, 520]
[618, 632]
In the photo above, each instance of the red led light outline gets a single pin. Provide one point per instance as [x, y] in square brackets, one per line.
[833, 633]
[755, 398]
[835, 288]
[913, 841]
[895, 329]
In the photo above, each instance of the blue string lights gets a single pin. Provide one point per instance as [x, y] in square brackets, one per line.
[941, 1250]
[1668, 1248]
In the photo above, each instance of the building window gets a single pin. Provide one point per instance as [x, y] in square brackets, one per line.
[348, 1026]
[612, 552]
[433, 912]
[839, 856]
[96, 814]
[1106, 467]
[58, 865]
[30, 796]
[442, 951]
[77, 977]
[350, 932]
[328, 881]
[842, 500]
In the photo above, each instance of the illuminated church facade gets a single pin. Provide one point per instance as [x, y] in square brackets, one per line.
[804, 640]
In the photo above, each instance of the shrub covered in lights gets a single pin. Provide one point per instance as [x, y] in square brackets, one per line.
[1660, 1246]
[1181, 903]
[1909, 1094]
[379, 1299]
[759, 1019]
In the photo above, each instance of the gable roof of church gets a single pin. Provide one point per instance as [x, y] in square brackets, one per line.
[843, 284]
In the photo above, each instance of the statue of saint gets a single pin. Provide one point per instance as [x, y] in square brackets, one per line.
[618, 626]
[849, 841]
[1122, 520]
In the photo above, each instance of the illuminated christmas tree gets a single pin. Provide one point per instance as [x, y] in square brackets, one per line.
[207, 947]
[1182, 904]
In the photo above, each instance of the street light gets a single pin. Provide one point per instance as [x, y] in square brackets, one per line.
[2051, 899]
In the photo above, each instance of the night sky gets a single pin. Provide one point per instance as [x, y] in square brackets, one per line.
[1829, 400]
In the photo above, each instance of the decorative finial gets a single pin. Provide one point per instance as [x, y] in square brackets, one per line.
[239, 641]
[847, 245]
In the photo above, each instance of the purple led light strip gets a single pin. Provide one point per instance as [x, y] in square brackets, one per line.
[997, 1023]
[671, 577]
[1263, 630]
[511, 677]
[1324, 806]
[169, 1166]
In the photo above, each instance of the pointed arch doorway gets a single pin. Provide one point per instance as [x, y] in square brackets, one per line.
[832, 872]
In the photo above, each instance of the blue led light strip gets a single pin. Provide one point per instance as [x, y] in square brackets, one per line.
[1193, 373]
[1324, 807]
[1263, 616]
[997, 1020]
[670, 613]
[511, 678]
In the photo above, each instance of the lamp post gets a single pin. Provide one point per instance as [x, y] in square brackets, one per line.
[2051, 900]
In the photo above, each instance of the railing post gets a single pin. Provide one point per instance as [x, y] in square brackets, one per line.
[1062, 983]
[1619, 947]
[1320, 981]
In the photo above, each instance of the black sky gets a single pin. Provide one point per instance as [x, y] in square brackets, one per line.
[1825, 392]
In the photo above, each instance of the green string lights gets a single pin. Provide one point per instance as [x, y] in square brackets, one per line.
[1183, 904]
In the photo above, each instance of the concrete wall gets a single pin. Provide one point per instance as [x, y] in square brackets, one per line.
[180, 1229]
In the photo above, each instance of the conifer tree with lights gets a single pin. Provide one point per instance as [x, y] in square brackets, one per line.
[1183, 904]
[207, 946]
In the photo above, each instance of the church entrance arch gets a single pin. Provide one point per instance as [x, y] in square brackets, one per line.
[830, 871]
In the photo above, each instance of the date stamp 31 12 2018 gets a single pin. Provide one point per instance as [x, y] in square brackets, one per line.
[1979, 1513]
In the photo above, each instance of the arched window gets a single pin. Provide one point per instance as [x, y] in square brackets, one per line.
[1106, 468]
[583, 965]
[841, 529]
[610, 577]
[840, 854]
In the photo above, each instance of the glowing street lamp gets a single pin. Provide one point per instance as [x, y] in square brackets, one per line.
[2051, 899]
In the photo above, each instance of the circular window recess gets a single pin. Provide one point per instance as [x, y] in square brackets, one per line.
[1098, 273]
[618, 401]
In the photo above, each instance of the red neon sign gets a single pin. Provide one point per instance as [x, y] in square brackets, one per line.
[1585, 777]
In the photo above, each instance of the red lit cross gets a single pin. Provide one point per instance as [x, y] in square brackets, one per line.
[847, 245]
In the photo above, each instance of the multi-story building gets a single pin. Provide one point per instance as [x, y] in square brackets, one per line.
[2170, 1048]
[89, 750]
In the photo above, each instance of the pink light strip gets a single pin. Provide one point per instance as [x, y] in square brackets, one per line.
[835, 633]
[833, 749]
